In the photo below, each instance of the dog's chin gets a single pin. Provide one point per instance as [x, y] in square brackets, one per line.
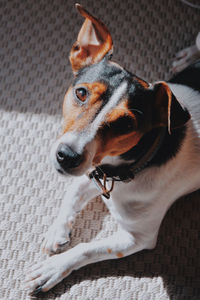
[72, 172]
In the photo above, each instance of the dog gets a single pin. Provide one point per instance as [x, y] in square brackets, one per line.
[134, 143]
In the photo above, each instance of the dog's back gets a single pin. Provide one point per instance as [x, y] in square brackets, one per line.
[186, 87]
[189, 76]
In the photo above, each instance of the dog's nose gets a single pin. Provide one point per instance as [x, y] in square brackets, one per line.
[67, 157]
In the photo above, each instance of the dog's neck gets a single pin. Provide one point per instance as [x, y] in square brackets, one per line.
[154, 149]
[169, 147]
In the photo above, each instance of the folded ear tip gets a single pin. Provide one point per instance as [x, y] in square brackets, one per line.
[78, 6]
[82, 11]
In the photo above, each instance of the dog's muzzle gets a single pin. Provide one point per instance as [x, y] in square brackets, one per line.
[67, 157]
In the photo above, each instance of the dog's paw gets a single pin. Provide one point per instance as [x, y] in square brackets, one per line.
[57, 238]
[45, 275]
[184, 58]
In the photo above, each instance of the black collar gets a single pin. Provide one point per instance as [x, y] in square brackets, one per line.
[127, 171]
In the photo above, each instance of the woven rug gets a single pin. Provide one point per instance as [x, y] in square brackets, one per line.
[35, 39]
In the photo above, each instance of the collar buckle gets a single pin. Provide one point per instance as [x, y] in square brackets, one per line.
[102, 185]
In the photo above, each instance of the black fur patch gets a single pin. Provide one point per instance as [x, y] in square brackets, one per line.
[122, 125]
[169, 148]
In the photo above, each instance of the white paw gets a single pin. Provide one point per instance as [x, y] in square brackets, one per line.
[45, 275]
[57, 238]
[184, 58]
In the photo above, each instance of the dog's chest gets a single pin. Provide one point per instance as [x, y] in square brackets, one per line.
[156, 188]
[130, 202]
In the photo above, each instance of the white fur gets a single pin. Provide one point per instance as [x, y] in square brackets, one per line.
[138, 206]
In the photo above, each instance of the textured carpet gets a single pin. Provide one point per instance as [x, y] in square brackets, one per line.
[35, 39]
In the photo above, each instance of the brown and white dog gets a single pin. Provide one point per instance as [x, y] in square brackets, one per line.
[119, 130]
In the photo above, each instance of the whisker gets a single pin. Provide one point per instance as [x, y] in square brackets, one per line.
[90, 155]
[131, 109]
[137, 110]
[107, 123]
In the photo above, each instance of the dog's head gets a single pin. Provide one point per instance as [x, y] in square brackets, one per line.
[107, 109]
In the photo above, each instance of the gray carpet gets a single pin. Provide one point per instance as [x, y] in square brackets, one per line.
[35, 39]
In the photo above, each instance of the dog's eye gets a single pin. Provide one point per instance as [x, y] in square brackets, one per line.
[81, 94]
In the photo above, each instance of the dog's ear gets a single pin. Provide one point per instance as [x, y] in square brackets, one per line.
[167, 110]
[93, 43]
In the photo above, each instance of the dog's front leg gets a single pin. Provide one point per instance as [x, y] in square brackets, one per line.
[79, 193]
[47, 274]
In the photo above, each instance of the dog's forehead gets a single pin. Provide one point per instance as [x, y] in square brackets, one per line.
[106, 71]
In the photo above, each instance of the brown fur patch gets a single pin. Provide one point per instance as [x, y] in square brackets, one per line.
[77, 116]
[120, 254]
[111, 144]
[65, 273]
[114, 146]
[119, 111]
[142, 82]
